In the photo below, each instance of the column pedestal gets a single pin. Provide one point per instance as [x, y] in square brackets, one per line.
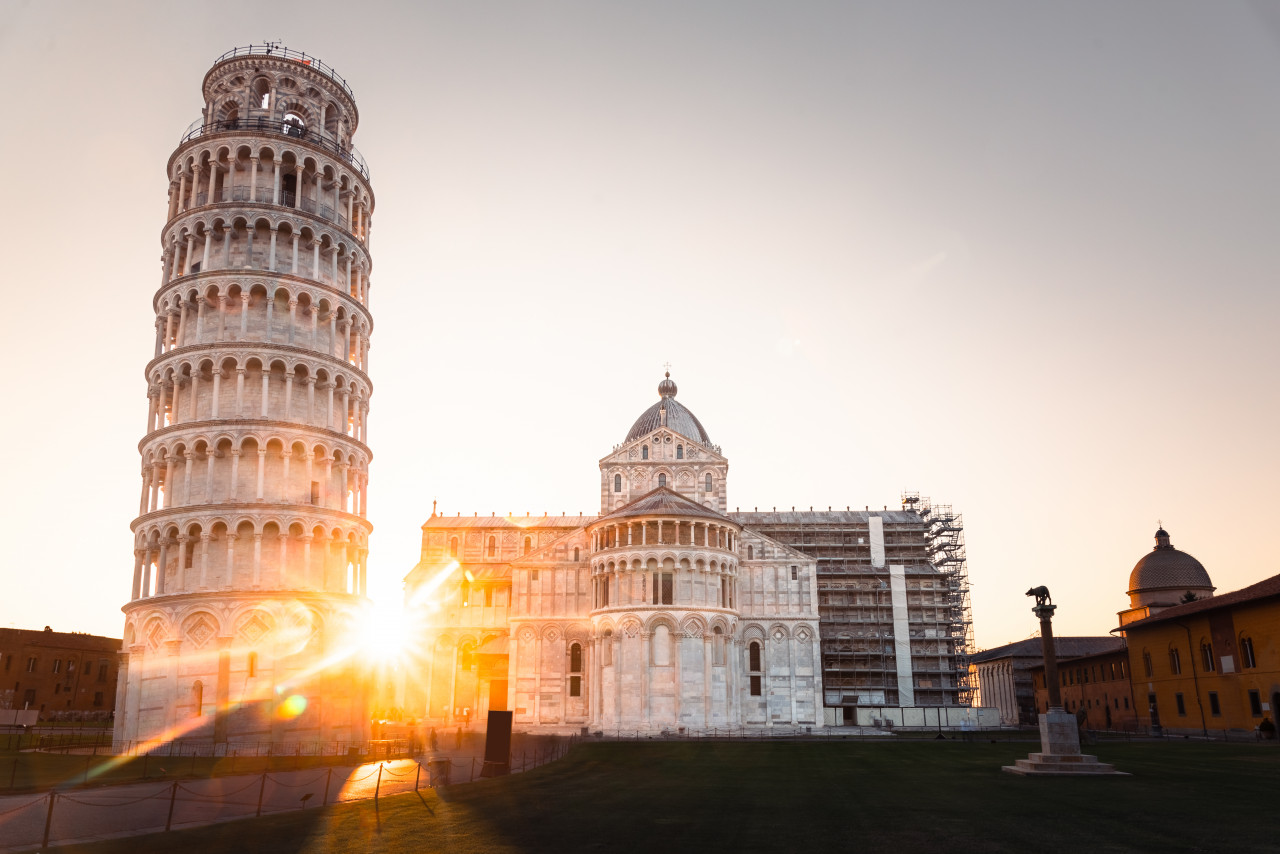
[1060, 754]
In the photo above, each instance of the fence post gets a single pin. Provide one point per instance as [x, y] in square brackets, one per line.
[173, 796]
[378, 786]
[417, 775]
[261, 790]
[473, 770]
[145, 757]
[48, 820]
[13, 775]
[327, 780]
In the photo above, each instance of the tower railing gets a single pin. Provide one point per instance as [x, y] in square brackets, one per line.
[349, 153]
[298, 56]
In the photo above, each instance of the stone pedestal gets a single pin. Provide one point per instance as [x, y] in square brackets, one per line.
[1060, 751]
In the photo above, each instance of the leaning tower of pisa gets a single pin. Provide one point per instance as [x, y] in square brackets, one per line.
[251, 536]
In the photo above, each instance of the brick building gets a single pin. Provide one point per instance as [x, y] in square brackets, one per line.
[1004, 675]
[1096, 684]
[65, 675]
[1210, 664]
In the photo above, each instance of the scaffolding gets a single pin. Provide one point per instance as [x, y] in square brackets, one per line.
[944, 543]
[855, 601]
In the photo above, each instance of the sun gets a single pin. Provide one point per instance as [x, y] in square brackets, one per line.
[382, 633]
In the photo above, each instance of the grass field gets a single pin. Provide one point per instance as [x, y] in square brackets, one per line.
[804, 796]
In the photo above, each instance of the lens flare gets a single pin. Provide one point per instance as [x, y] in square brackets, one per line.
[292, 706]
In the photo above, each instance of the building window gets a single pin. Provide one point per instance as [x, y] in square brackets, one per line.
[644, 452]
[453, 547]
[1214, 708]
[1122, 669]
[102, 671]
[488, 596]
[679, 452]
[575, 554]
[253, 664]
[604, 592]
[753, 656]
[1206, 657]
[755, 686]
[31, 665]
[528, 544]
[617, 483]
[97, 698]
[1246, 652]
[533, 575]
[1126, 702]
[197, 697]
[1146, 662]
[493, 546]
[575, 659]
[1175, 662]
[575, 686]
[1182, 706]
[708, 484]
[662, 480]
[57, 665]
[795, 573]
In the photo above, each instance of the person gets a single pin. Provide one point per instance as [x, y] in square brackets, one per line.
[431, 739]
[457, 739]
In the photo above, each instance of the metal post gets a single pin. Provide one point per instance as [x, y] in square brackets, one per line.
[173, 796]
[378, 786]
[327, 779]
[416, 775]
[261, 790]
[48, 820]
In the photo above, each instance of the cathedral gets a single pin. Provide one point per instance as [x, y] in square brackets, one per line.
[667, 612]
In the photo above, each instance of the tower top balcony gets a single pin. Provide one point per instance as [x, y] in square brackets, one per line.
[279, 51]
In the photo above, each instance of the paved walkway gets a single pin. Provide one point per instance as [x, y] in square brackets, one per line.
[84, 815]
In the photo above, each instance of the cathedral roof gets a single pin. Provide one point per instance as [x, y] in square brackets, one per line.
[477, 521]
[663, 502]
[678, 418]
[1165, 567]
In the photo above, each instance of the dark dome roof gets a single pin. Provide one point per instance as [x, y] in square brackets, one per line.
[1165, 567]
[679, 419]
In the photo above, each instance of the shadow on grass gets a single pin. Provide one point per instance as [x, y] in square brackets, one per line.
[883, 797]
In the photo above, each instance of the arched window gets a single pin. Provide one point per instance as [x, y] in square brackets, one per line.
[1246, 653]
[1175, 661]
[679, 452]
[751, 552]
[707, 486]
[662, 480]
[644, 452]
[1146, 662]
[253, 664]
[617, 483]
[197, 697]
[753, 666]
[294, 126]
[1206, 656]
[453, 547]
[493, 546]
[528, 544]
[575, 554]
[575, 670]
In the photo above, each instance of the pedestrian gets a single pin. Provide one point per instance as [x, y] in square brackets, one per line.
[431, 738]
[457, 739]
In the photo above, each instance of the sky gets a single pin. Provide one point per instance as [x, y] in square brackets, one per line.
[1019, 257]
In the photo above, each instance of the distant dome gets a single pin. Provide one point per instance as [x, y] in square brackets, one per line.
[679, 419]
[1167, 568]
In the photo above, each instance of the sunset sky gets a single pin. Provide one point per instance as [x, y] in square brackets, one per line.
[1019, 257]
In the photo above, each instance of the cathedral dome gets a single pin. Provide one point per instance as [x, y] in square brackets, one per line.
[1166, 568]
[678, 418]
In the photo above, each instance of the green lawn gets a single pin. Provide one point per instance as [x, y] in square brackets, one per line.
[803, 796]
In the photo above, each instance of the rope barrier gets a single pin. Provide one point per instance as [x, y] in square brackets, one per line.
[111, 804]
[255, 781]
[294, 785]
[39, 799]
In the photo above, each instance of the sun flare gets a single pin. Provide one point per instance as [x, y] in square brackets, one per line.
[382, 633]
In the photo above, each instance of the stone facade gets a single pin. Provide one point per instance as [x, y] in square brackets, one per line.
[61, 675]
[251, 538]
[664, 612]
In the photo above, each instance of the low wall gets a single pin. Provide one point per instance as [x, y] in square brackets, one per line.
[920, 717]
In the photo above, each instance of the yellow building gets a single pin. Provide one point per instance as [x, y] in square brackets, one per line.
[1210, 664]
